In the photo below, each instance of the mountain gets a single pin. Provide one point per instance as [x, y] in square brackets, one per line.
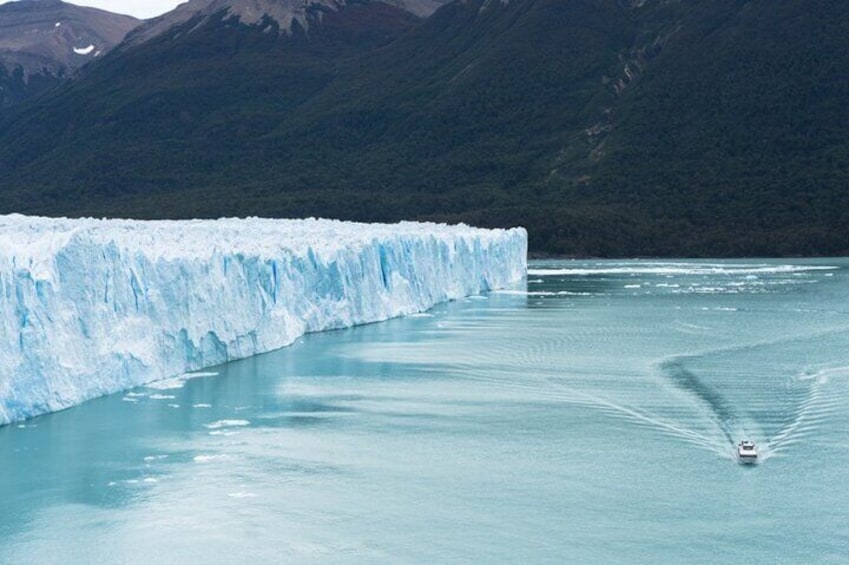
[606, 127]
[731, 137]
[45, 41]
[284, 13]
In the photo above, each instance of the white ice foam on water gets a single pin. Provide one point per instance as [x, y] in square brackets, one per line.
[198, 375]
[90, 307]
[516, 292]
[227, 424]
[210, 458]
[681, 269]
[178, 382]
[167, 384]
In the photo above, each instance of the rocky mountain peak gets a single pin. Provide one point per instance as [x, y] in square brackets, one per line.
[285, 13]
[44, 41]
[51, 36]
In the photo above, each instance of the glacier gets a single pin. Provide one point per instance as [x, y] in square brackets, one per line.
[91, 307]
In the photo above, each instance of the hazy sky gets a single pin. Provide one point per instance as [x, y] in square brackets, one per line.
[137, 8]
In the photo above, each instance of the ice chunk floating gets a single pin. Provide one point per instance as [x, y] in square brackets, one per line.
[91, 307]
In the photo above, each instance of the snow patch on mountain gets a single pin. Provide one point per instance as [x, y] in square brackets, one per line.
[46, 37]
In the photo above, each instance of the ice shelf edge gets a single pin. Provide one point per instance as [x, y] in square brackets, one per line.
[91, 307]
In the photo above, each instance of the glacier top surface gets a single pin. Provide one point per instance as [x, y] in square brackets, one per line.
[31, 238]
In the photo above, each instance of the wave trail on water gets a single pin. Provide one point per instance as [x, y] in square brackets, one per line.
[549, 389]
[818, 405]
[686, 380]
[761, 392]
[650, 420]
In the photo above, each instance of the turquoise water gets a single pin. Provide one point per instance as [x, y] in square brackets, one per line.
[590, 418]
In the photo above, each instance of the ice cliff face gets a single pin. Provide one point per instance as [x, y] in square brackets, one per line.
[90, 307]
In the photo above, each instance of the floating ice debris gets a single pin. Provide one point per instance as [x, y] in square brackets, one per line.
[167, 384]
[209, 458]
[227, 424]
[199, 375]
[680, 269]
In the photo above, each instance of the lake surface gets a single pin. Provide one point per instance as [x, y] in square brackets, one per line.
[589, 417]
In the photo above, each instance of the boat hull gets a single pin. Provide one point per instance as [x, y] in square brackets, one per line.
[747, 453]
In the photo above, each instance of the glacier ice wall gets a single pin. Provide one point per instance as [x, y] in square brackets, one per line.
[89, 307]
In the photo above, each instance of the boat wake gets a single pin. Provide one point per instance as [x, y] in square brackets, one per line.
[774, 392]
[819, 406]
[748, 397]
[722, 411]
[732, 397]
[553, 389]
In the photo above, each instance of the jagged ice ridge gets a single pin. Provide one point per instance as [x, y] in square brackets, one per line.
[90, 307]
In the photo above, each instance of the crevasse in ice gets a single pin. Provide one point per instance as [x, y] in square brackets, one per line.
[89, 307]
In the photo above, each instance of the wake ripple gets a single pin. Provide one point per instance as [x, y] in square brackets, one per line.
[774, 410]
[549, 389]
[774, 392]
[725, 415]
[818, 407]
[777, 413]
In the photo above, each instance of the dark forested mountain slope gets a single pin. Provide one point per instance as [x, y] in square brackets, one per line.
[606, 127]
[184, 112]
[734, 139]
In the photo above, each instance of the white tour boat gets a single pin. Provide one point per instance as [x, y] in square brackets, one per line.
[747, 452]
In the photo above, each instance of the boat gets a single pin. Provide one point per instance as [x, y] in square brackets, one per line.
[747, 452]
